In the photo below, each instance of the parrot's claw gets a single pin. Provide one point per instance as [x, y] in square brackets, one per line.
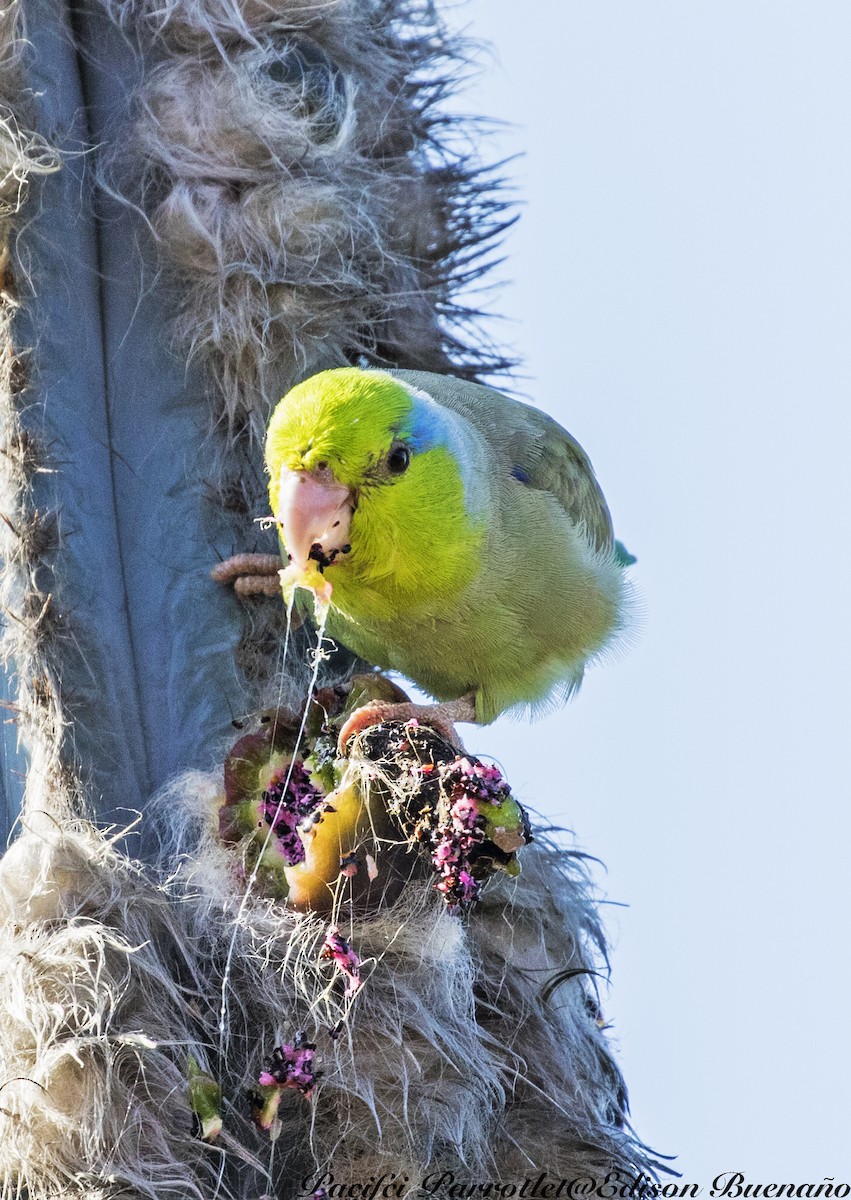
[251, 574]
[439, 717]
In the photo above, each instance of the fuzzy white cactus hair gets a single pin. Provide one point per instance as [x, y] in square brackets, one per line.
[472, 1047]
[312, 205]
[27, 629]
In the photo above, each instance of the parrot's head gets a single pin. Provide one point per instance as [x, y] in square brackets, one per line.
[377, 484]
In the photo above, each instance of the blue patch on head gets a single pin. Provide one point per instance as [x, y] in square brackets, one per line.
[520, 474]
[425, 427]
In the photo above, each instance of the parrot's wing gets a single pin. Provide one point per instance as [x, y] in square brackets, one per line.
[545, 456]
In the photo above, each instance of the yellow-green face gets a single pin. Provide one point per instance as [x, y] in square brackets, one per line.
[345, 418]
[411, 535]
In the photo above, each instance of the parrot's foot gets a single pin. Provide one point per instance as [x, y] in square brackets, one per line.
[250, 574]
[440, 717]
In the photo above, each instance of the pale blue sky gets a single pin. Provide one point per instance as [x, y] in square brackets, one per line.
[679, 288]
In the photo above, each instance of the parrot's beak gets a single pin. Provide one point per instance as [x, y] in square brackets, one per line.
[313, 510]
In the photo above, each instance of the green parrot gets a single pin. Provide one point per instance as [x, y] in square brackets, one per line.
[457, 536]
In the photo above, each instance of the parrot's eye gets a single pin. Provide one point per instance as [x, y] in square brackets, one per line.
[398, 459]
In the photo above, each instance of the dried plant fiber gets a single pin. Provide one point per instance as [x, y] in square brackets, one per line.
[312, 203]
[472, 1046]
